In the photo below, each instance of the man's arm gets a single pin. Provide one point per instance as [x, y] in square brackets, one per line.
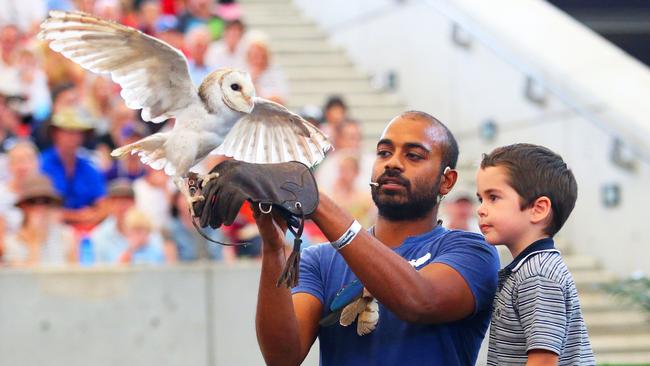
[435, 294]
[286, 326]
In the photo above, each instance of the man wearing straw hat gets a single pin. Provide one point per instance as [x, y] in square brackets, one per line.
[74, 176]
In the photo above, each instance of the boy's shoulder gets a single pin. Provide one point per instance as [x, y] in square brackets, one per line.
[548, 265]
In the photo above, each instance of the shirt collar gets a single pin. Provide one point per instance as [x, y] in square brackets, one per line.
[539, 246]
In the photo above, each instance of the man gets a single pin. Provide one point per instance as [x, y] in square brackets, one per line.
[434, 286]
[74, 176]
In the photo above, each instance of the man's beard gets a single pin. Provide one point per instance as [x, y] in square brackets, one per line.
[414, 202]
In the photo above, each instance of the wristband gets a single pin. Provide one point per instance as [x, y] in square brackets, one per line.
[347, 236]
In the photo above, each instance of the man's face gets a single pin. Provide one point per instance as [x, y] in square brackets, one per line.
[501, 219]
[407, 169]
[68, 141]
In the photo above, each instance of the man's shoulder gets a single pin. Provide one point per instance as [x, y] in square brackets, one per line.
[466, 239]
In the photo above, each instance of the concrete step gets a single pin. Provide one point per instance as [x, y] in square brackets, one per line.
[259, 19]
[354, 100]
[628, 358]
[631, 343]
[577, 262]
[591, 280]
[320, 73]
[312, 60]
[255, 10]
[617, 322]
[594, 302]
[301, 46]
[275, 33]
[330, 87]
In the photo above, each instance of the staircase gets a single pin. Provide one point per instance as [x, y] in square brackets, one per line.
[619, 333]
[315, 69]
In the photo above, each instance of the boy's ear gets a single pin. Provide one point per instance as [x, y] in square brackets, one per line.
[541, 210]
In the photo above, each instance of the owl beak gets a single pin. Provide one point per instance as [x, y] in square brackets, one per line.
[250, 103]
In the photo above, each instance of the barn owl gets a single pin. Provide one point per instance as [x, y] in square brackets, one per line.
[222, 114]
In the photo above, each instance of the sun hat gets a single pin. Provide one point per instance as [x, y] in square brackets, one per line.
[38, 189]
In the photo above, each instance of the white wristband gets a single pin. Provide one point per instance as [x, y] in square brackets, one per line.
[347, 236]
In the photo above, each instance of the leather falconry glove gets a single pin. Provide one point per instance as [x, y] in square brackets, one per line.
[289, 188]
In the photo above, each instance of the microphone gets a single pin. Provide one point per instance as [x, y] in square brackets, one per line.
[374, 184]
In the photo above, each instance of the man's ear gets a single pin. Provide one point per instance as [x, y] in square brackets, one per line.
[541, 210]
[448, 180]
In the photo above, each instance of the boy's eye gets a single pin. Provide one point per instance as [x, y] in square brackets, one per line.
[480, 200]
[493, 197]
[383, 153]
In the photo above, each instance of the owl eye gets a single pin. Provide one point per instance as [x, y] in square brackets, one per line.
[235, 87]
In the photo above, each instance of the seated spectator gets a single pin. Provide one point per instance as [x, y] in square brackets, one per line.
[153, 194]
[9, 120]
[22, 164]
[189, 243]
[141, 246]
[335, 112]
[99, 99]
[269, 80]
[357, 201]
[42, 237]
[459, 211]
[229, 51]
[77, 180]
[196, 44]
[64, 96]
[110, 238]
[347, 142]
[130, 166]
[121, 122]
[150, 18]
[200, 13]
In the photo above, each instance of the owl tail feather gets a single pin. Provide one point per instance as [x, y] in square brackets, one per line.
[151, 150]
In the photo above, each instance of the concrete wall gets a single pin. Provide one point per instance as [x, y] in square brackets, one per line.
[586, 82]
[184, 315]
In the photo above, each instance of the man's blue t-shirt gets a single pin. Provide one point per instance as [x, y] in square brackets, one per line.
[323, 272]
[82, 189]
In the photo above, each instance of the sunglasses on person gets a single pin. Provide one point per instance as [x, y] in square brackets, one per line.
[40, 201]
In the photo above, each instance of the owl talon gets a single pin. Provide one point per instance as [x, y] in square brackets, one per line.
[207, 178]
[193, 199]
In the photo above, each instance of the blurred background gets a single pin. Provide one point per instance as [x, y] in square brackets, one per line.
[100, 262]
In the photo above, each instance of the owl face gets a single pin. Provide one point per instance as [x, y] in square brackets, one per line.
[238, 91]
[233, 88]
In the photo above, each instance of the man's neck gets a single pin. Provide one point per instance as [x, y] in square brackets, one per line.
[393, 233]
[68, 159]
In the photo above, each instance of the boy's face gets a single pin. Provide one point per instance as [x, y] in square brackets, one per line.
[501, 219]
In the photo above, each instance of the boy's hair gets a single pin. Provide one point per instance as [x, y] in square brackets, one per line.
[535, 171]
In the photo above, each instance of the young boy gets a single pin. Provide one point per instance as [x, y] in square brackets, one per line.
[527, 192]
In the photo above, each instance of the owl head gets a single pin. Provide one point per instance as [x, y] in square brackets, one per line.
[230, 88]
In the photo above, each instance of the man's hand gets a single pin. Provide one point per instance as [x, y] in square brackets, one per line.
[272, 228]
[286, 188]
[289, 187]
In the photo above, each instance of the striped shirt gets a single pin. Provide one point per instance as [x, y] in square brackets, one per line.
[536, 307]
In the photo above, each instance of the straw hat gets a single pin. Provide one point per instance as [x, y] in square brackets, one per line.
[38, 188]
[121, 188]
[71, 119]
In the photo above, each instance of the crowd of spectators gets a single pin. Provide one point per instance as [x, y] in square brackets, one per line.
[64, 199]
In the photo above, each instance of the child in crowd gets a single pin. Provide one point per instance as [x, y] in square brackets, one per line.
[527, 193]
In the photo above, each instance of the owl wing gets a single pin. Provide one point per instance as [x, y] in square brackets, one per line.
[273, 134]
[154, 76]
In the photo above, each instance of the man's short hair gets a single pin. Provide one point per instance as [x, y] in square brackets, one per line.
[449, 145]
[535, 171]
